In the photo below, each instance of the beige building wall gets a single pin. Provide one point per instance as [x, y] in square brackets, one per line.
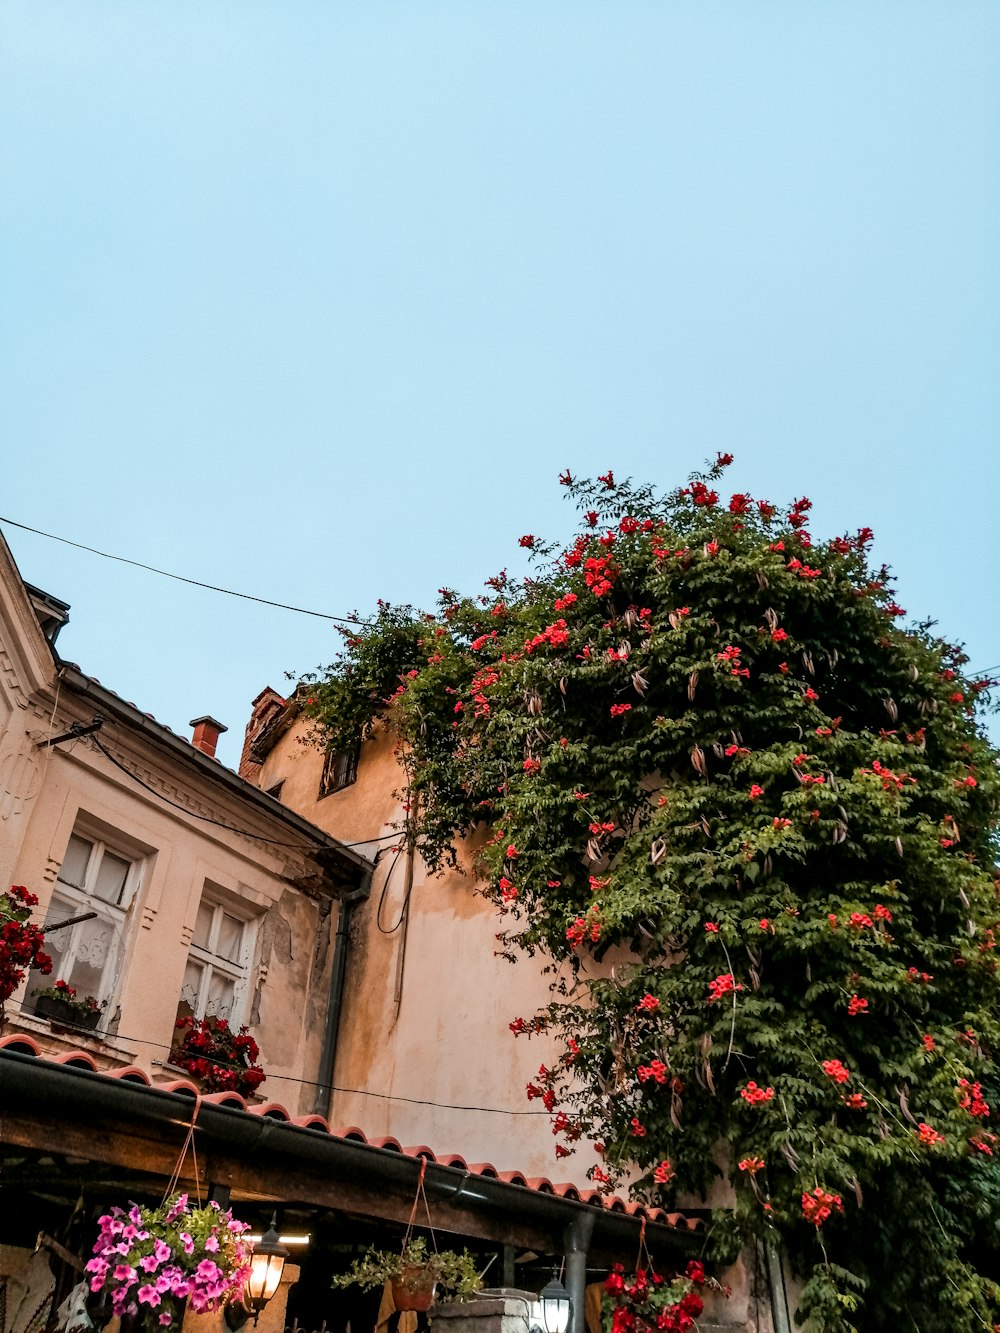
[428, 1001]
[156, 804]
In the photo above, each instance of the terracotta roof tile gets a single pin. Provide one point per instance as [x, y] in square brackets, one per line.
[23, 1044]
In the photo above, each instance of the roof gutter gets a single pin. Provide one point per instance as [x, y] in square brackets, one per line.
[335, 854]
[29, 1084]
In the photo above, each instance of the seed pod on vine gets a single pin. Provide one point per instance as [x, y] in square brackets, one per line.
[899, 846]
[562, 684]
[754, 977]
[674, 620]
[791, 1156]
[808, 662]
[639, 682]
[533, 701]
[692, 685]
[706, 1044]
[676, 1106]
[761, 580]
[914, 674]
[717, 750]
[594, 852]
[657, 851]
[771, 619]
[890, 707]
[631, 618]
[698, 761]
[709, 1080]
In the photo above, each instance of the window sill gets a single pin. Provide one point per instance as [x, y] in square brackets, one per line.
[99, 1043]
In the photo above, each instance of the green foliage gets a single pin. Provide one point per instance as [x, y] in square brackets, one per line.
[753, 820]
[455, 1275]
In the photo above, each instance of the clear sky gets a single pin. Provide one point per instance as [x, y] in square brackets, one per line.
[314, 300]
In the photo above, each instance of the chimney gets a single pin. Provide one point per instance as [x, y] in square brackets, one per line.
[206, 734]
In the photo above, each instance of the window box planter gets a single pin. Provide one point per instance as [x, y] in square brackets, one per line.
[65, 1015]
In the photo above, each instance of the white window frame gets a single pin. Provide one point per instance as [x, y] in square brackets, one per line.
[238, 972]
[69, 899]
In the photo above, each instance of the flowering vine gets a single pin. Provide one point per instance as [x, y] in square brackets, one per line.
[700, 735]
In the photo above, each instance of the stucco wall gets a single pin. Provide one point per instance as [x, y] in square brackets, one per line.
[47, 792]
[428, 1002]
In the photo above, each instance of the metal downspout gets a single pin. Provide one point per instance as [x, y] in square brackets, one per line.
[776, 1283]
[576, 1239]
[323, 1102]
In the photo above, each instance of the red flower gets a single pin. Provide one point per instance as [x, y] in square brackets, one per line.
[753, 1095]
[608, 479]
[723, 460]
[724, 984]
[818, 1204]
[751, 1165]
[856, 1005]
[662, 1173]
[837, 1071]
[527, 540]
[648, 1004]
[618, 709]
[756, 792]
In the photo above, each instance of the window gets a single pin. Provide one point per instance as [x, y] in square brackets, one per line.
[275, 791]
[215, 979]
[340, 768]
[94, 878]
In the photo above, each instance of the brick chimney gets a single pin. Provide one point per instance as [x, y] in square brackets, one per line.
[206, 734]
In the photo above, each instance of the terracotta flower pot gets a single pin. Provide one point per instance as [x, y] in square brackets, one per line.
[414, 1289]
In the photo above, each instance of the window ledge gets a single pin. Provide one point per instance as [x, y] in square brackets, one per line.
[77, 1040]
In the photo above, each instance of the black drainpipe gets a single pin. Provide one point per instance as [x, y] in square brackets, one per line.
[576, 1239]
[322, 1104]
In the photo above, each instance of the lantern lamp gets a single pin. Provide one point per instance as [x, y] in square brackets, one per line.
[556, 1306]
[267, 1263]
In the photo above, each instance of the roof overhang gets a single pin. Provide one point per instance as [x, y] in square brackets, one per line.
[131, 1127]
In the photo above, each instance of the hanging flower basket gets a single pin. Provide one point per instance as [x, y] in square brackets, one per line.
[417, 1277]
[154, 1262]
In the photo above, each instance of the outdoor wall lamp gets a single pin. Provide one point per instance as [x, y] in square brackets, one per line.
[555, 1306]
[266, 1266]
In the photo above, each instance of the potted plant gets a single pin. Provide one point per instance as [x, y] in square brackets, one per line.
[61, 1004]
[152, 1262]
[417, 1278]
[221, 1059]
[650, 1303]
[20, 941]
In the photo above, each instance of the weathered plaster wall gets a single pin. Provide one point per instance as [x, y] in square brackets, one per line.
[427, 1002]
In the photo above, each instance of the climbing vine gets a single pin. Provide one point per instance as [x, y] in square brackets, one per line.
[751, 818]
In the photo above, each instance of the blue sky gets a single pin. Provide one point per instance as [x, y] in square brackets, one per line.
[315, 300]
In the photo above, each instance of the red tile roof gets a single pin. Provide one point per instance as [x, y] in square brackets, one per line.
[25, 1045]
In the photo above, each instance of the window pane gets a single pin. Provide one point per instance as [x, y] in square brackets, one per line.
[203, 924]
[111, 877]
[190, 990]
[221, 993]
[230, 938]
[74, 866]
[88, 955]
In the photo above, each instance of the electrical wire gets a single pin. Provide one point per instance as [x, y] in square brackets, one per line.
[355, 1092]
[208, 819]
[180, 578]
